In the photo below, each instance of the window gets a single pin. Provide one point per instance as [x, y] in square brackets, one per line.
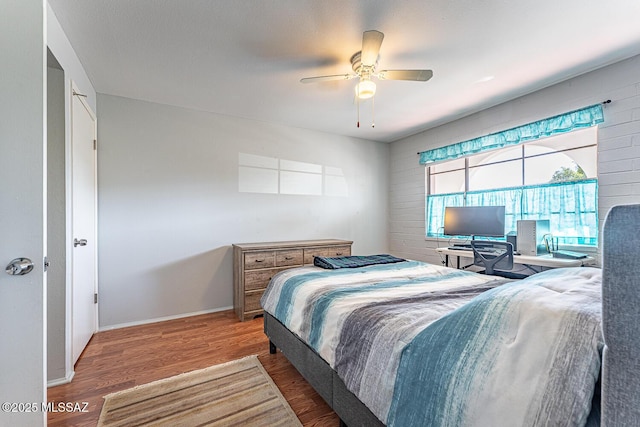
[552, 178]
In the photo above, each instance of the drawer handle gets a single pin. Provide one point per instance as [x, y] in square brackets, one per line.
[338, 253]
[259, 260]
[288, 258]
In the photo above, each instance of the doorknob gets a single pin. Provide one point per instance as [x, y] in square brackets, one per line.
[19, 267]
[79, 242]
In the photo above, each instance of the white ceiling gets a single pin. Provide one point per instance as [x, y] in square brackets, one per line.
[245, 58]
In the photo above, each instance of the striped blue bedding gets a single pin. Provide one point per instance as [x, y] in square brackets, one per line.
[421, 344]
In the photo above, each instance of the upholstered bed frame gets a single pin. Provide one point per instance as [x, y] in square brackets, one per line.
[620, 393]
[621, 317]
[319, 374]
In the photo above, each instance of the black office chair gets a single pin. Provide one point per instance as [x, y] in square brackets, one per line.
[500, 257]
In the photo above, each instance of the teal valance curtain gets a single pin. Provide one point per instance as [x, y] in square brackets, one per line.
[570, 206]
[585, 117]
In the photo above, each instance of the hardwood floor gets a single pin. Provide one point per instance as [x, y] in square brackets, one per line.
[123, 358]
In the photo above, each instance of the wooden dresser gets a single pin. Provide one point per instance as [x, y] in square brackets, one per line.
[255, 263]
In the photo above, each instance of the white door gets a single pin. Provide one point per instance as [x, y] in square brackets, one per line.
[83, 195]
[22, 212]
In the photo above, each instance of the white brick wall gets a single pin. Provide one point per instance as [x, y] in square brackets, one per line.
[618, 148]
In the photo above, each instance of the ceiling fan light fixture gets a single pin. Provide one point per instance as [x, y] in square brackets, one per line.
[365, 89]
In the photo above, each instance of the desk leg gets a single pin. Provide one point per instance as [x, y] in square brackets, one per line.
[532, 269]
[446, 261]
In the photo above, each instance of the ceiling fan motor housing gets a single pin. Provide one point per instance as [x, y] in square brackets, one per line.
[363, 71]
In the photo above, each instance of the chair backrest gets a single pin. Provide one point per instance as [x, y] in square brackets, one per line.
[500, 257]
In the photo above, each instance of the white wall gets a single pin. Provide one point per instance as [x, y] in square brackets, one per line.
[618, 147]
[170, 207]
[61, 48]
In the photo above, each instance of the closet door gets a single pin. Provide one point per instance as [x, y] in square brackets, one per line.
[84, 259]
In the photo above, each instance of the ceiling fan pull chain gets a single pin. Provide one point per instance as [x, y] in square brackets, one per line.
[373, 112]
[358, 103]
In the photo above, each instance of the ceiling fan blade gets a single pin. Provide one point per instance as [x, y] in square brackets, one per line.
[371, 42]
[413, 75]
[327, 78]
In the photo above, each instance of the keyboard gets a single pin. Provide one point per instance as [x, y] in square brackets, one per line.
[484, 251]
[467, 246]
[568, 255]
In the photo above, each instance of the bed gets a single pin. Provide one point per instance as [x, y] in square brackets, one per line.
[407, 343]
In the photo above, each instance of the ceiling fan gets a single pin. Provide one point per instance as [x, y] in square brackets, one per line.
[364, 64]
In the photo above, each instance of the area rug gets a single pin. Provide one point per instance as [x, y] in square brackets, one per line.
[237, 393]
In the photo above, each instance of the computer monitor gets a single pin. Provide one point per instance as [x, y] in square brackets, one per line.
[487, 221]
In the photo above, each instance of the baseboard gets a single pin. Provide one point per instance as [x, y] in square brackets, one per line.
[60, 381]
[161, 319]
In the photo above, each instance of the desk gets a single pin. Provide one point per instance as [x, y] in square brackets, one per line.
[540, 261]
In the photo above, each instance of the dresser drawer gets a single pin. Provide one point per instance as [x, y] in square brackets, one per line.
[289, 258]
[310, 253]
[259, 279]
[337, 251]
[253, 260]
[332, 251]
[252, 300]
